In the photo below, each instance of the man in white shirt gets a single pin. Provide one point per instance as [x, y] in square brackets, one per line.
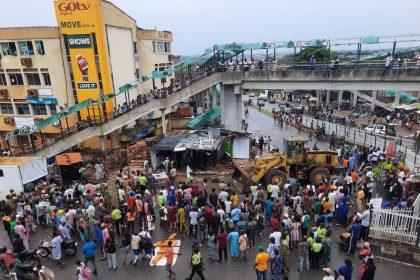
[228, 206]
[223, 195]
[275, 191]
[90, 211]
[331, 199]
[121, 195]
[364, 228]
[277, 237]
[221, 213]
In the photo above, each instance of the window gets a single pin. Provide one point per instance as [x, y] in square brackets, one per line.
[1, 173]
[8, 48]
[328, 159]
[33, 79]
[23, 109]
[135, 47]
[53, 109]
[167, 47]
[6, 108]
[158, 47]
[39, 109]
[26, 48]
[47, 79]
[39, 45]
[3, 80]
[16, 79]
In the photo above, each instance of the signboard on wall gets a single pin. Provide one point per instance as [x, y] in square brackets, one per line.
[24, 122]
[42, 100]
[81, 23]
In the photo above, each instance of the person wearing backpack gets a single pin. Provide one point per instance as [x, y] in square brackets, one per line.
[82, 271]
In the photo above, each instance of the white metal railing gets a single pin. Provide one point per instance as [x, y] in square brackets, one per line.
[395, 225]
[366, 139]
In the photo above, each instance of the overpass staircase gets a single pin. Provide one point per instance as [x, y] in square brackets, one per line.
[380, 101]
[78, 136]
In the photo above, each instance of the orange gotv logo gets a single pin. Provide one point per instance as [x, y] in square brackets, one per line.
[73, 6]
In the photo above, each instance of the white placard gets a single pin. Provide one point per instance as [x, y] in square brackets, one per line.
[376, 202]
[21, 122]
[45, 92]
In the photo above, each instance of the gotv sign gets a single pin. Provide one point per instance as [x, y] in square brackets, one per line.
[73, 6]
[79, 41]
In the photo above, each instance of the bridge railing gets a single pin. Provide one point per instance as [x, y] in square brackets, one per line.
[279, 66]
[400, 226]
[195, 76]
[405, 149]
[100, 120]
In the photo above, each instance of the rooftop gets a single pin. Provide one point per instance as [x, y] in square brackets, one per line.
[16, 161]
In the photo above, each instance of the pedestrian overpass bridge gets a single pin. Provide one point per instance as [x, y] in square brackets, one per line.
[232, 86]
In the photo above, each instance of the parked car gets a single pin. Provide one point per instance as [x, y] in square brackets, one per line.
[375, 128]
[260, 102]
[381, 129]
[263, 96]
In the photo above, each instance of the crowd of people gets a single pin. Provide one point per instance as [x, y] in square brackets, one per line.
[280, 218]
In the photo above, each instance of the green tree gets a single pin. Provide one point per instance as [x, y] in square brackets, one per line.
[319, 52]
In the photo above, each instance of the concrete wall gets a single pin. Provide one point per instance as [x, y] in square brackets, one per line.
[148, 58]
[121, 56]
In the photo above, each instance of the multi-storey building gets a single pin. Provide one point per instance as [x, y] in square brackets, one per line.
[95, 49]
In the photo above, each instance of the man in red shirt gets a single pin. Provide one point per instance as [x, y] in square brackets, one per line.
[7, 256]
[169, 254]
[222, 244]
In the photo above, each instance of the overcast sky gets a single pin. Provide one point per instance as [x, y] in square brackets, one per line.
[198, 24]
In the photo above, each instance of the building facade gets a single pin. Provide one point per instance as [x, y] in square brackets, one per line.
[34, 80]
[155, 55]
[95, 49]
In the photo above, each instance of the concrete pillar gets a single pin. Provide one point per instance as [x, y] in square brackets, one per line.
[102, 140]
[115, 139]
[212, 93]
[231, 107]
[373, 103]
[397, 98]
[328, 97]
[162, 115]
[340, 99]
[354, 103]
[208, 101]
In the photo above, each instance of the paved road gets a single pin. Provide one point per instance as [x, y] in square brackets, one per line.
[233, 269]
[261, 124]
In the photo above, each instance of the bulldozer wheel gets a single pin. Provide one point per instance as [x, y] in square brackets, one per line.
[319, 174]
[276, 177]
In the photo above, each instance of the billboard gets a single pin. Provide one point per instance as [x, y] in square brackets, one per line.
[81, 23]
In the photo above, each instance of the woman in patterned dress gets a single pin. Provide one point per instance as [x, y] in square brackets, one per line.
[295, 233]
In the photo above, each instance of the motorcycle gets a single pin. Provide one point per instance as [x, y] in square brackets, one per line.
[69, 248]
[29, 256]
[21, 271]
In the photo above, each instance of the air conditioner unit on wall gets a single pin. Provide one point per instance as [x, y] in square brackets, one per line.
[9, 120]
[27, 62]
[4, 94]
[32, 92]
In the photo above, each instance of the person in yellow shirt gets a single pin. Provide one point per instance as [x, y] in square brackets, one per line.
[234, 199]
[182, 220]
[360, 198]
[261, 263]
